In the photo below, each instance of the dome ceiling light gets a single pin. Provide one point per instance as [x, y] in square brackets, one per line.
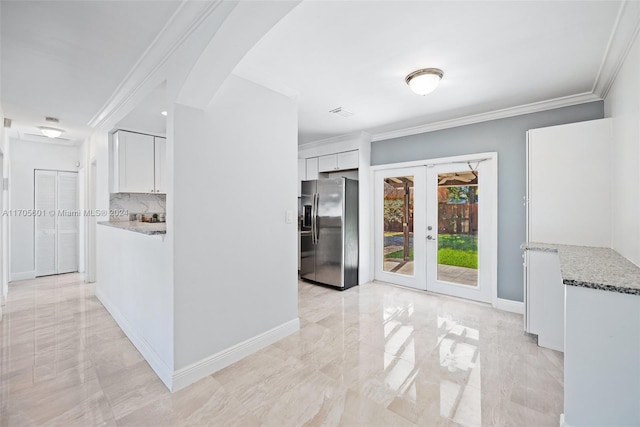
[50, 132]
[424, 81]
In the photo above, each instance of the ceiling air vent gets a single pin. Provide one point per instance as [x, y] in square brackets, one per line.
[341, 112]
[51, 120]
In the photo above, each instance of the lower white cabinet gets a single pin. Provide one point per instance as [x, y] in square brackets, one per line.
[544, 298]
[601, 358]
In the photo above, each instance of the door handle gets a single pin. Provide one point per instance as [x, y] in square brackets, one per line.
[430, 237]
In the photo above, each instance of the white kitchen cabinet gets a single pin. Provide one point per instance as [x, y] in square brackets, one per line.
[302, 174]
[602, 350]
[139, 163]
[569, 184]
[133, 163]
[544, 298]
[348, 160]
[339, 161]
[160, 164]
[328, 163]
[311, 168]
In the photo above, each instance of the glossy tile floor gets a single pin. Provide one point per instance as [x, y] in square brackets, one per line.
[371, 355]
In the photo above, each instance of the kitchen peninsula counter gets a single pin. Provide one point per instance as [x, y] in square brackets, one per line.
[596, 268]
[601, 335]
[149, 228]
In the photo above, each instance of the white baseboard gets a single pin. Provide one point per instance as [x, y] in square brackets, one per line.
[207, 366]
[508, 305]
[25, 275]
[147, 351]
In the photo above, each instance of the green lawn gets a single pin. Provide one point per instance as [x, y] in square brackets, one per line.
[453, 249]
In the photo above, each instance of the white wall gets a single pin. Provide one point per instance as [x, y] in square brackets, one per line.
[622, 104]
[4, 204]
[25, 158]
[235, 174]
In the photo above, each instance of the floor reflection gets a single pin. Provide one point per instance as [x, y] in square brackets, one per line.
[460, 396]
[373, 355]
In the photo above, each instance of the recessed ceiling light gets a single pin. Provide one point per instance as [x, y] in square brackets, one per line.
[164, 113]
[424, 81]
[50, 132]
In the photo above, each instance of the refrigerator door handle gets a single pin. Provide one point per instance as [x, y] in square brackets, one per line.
[316, 218]
[314, 206]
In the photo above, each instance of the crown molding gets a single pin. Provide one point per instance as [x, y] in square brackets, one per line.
[624, 32]
[565, 101]
[187, 17]
[353, 136]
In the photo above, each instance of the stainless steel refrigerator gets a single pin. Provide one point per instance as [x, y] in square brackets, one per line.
[329, 232]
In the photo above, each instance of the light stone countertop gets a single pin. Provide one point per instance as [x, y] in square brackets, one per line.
[595, 268]
[149, 228]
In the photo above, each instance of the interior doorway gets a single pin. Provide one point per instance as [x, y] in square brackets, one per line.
[436, 226]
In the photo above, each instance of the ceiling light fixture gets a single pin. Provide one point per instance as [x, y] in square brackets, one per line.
[164, 113]
[424, 81]
[50, 132]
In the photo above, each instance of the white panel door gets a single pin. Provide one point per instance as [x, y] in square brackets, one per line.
[67, 200]
[45, 223]
[56, 222]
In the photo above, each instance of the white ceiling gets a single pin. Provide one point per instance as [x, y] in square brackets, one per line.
[65, 58]
[495, 55]
[147, 116]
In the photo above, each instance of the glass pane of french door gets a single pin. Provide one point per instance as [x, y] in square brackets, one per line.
[399, 226]
[458, 227]
[461, 229]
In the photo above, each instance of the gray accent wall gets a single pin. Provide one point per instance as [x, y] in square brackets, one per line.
[507, 137]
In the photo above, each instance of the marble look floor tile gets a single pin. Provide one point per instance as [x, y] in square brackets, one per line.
[373, 355]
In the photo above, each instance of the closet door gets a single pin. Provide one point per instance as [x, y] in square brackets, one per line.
[56, 225]
[45, 224]
[67, 201]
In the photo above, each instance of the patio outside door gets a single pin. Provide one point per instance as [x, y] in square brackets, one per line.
[459, 230]
[400, 225]
[436, 228]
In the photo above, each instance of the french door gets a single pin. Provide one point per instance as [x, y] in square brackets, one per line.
[436, 228]
[400, 226]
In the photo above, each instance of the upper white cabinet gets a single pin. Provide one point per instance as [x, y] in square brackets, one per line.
[302, 174]
[139, 163]
[328, 163]
[339, 161]
[569, 184]
[312, 168]
[160, 148]
[348, 160]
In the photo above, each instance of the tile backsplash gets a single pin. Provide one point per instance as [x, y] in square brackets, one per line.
[137, 203]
